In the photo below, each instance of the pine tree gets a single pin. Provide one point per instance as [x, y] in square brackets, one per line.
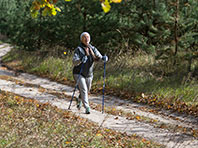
[188, 32]
[7, 8]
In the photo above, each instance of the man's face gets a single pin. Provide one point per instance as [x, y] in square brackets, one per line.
[85, 39]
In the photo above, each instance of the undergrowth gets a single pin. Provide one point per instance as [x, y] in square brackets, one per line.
[127, 76]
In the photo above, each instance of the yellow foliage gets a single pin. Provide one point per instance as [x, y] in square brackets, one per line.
[49, 5]
[116, 1]
[53, 12]
[67, 142]
[106, 6]
[137, 117]
[37, 5]
[99, 135]
[58, 9]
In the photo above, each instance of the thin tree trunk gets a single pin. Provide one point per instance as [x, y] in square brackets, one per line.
[84, 21]
[40, 29]
[176, 30]
[154, 4]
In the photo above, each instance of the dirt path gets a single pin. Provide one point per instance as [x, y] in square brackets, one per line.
[149, 127]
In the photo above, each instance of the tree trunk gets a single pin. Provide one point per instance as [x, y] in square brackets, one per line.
[84, 21]
[154, 4]
[189, 65]
[176, 30]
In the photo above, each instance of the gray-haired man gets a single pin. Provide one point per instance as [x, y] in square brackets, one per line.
[85, 54]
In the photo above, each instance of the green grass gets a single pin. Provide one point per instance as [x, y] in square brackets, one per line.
[26, 123]
[142, 74]
[134, 74]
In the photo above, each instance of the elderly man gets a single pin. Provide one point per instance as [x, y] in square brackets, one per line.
[84, 56]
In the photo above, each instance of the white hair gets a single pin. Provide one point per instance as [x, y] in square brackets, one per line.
[82, 34]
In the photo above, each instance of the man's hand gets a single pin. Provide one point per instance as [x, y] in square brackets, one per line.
[105, 58]
[87, 50]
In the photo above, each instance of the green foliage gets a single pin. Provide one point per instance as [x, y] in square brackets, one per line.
[186, 35]
[130, 26]
[49, 6]
[18, 24]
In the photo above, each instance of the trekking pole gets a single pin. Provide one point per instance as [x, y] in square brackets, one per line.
[103, 88]
[76, 85]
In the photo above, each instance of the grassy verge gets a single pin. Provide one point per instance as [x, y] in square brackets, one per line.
[26, 123]
[139, 77]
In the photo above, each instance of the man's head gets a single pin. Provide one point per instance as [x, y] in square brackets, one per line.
[85, 38]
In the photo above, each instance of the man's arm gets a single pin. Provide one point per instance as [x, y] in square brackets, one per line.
[76, 58]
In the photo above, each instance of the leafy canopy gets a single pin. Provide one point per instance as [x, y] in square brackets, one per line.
[50, 8]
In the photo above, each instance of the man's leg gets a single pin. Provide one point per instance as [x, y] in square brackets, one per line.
[89, 82]
[78, 99]
[83, 90]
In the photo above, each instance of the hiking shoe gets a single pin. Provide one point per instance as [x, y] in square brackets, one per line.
[79, 105]
[87, 111]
